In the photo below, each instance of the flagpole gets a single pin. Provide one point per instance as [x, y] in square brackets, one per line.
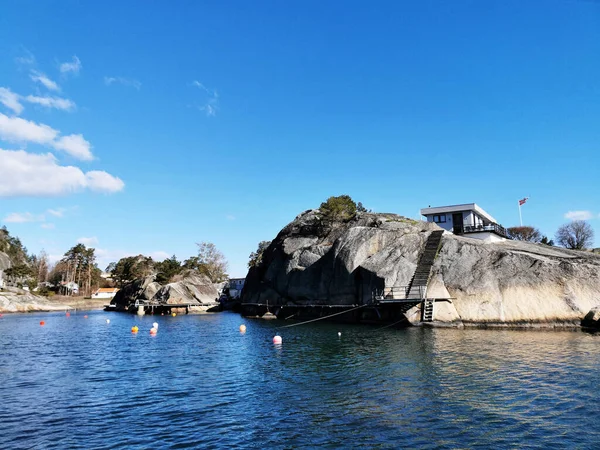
[520, 217]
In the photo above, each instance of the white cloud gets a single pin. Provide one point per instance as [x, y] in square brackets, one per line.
[10, 100]
[88, 241]
[30, 174]
[579, 215]
[75, 145]
[210, 103]
[23, 218]
[59, 212]
[15, 129]
[124, 81]
[52, 102]
[71, 67]
[47, 226]
[100, 181]
[44, 80]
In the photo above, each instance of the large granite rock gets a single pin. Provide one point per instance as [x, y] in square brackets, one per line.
[4, 261]
[14, 300]
[190, 288]
[505, 283]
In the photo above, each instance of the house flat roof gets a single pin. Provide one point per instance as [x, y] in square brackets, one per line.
[458, 208]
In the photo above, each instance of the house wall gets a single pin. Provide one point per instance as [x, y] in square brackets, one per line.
[1, 278]
[445, 225]
[104, 295]
[486, 236]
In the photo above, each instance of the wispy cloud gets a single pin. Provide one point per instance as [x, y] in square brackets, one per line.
[88, 241]
[210, 103]
[58, 212]
[579, 215]
[52, 102]
[29, 174]
[41, 78]
[109, 81]
[11, 100]
[27, 59]
[15, 129]
[47, 226]
[72, 67]
[23, 218]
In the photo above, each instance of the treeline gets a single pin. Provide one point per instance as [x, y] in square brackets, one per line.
[209, 261]
[575, 235]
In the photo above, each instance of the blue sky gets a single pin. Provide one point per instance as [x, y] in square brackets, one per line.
[145, 127]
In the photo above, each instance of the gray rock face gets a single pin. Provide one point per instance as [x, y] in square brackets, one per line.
[191, 288]
[504, 283]
[4, 261]
[16, 300]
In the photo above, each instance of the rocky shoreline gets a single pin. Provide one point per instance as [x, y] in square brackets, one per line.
[504, 284]
[14, 300]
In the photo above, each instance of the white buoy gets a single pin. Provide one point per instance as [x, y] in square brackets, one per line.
[339, 333]
[155, 325]
[107, 320]
[277, 339]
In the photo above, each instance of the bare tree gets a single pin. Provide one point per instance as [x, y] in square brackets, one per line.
[211, 262]
[576, 235]
[528, 234]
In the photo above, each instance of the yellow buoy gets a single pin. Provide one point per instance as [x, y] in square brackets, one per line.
[174, 314]
[134, 329]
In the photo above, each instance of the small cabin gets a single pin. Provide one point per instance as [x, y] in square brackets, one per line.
[468, 219]
[235, 287]
[105, 293]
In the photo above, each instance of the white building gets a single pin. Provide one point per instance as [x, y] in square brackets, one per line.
[105, 293]
[469, 220]
[235, 287]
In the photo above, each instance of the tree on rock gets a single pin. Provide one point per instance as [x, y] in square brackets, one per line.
[577, 235]
[338, 209]
[210, 262]
[256, 257]
[525, 233]
[547, 241]
[167, 269]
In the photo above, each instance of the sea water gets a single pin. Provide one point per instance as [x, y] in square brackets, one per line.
[200, 383]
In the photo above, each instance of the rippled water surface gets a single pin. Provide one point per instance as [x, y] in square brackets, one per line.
[83, 383]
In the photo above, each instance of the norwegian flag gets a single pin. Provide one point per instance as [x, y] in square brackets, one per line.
[523, 200]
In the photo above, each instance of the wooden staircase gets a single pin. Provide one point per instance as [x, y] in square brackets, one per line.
[418, 285]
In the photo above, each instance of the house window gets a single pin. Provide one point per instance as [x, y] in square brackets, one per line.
[440, 218]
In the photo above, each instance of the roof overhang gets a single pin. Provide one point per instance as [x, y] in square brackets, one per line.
[458, 208]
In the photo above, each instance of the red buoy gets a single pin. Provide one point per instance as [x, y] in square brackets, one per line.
[42, 323]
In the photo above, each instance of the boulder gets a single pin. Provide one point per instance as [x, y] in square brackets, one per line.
[507, 283]
[592, 318]
[190, 288]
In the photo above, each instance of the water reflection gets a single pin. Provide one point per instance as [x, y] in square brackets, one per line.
[199, 382]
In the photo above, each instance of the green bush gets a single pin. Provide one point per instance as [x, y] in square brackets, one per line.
[338, 209]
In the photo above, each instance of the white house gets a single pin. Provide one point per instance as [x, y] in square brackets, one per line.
[105, 293]
[469, 220]
[235, 287]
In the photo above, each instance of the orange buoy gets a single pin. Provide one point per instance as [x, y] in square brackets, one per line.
[134, 329]
[42, 323]
[242, 328]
